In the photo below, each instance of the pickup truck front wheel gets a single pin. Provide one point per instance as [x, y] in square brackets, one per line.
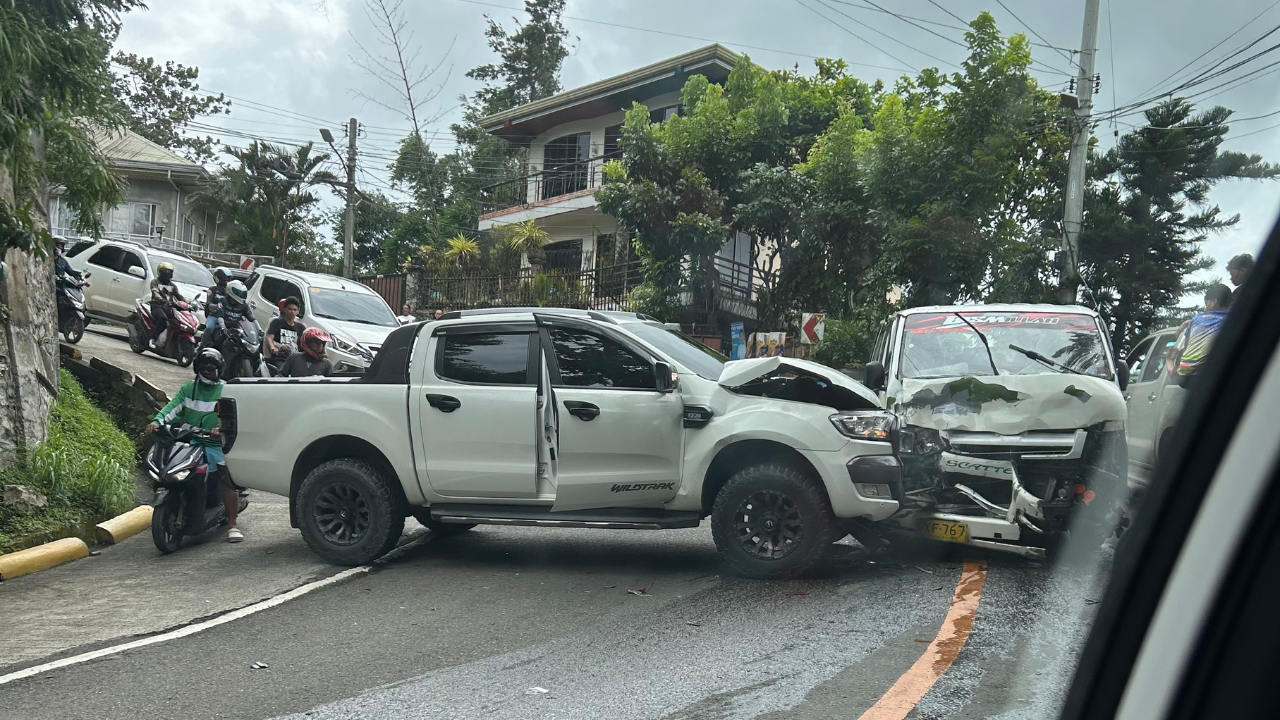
[771, 522]
[350, 513]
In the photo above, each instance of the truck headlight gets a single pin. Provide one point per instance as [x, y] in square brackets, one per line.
[343, 344]
[865, 425]
[919, 441]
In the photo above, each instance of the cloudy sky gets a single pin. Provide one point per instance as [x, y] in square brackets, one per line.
[288, 64]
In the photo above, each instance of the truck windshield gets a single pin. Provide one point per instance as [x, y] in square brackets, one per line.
[938, 345]
[690, 353]
[348, 306]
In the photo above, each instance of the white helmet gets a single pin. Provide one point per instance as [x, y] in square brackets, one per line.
[237, 295]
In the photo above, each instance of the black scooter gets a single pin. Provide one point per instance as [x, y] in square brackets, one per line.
[71, 317]
[188, 499]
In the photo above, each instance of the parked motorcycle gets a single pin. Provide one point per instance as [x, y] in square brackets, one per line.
[239, 339]
[70, 297]
[188, 499]
[178, 341]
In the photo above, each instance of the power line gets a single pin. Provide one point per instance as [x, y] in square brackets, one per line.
[957, 17]
[686, 37]
[873, 29]
[1033, 32]
[907, 19]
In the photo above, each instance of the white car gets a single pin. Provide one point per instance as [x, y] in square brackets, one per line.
[356, 317]
[1155, 401]
[122, 274]
[567, 418]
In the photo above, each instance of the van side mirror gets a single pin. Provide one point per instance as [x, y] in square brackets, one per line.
[873, 376]
[137, 272]
[1122, 374]
[664, 377]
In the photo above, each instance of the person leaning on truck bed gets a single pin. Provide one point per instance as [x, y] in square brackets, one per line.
[311, 361]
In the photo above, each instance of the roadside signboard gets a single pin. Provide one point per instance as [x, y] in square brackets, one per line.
[737, 342]
[812, 327]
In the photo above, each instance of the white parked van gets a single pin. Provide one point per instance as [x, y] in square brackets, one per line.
[356, 317]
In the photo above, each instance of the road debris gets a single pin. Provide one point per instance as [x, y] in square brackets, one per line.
[637, 591]
[259, 666]
[536, 691]
[695, 624]
[794, 593]
[927, 572]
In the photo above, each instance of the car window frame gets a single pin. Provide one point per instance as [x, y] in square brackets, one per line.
[1159, 340]
[553, 362]
[533, 368]
[1144, 348]
[142, 262]
[114, 268]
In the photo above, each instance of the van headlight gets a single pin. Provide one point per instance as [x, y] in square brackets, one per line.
[866, 424]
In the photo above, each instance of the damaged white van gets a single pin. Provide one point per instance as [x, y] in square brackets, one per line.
[1009, 422]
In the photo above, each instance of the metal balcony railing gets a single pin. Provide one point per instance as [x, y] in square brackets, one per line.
[546, 184]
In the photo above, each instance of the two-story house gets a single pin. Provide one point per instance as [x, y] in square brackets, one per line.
[157, 208]
[569, 137]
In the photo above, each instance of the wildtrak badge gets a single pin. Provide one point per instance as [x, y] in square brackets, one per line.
[643, 486]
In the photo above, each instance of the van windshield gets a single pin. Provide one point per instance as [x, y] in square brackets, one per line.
[938, 345]
[348, 306]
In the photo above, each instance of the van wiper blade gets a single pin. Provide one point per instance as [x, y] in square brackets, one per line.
[990, 358]
[1045, 360]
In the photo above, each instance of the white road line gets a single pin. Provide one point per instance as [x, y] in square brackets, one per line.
[207, 624]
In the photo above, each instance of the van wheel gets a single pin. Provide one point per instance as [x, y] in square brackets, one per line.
[439, 529]
[772, 522]
[350, 513]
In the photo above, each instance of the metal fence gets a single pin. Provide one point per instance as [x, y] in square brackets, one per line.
[544, 185]
[390, 287]
[603, 288]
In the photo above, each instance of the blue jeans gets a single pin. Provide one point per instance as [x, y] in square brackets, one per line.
[213, 455]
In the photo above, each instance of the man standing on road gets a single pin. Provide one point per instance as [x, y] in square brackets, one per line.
[285, 332]
[1239, 267]
[196, 404]
[1196, 339]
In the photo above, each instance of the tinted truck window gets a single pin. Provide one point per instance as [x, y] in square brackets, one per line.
[588, 360]
[489, 358]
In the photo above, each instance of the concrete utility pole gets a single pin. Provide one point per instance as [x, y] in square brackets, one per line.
[348, 243]
[1073, 216]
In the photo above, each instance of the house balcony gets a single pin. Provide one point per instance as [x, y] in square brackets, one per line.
[548, 192]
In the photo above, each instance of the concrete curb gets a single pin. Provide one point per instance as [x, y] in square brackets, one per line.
[42, 557]
[122, 526]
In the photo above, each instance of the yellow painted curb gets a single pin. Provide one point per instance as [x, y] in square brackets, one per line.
[122, 526]
[41, 557]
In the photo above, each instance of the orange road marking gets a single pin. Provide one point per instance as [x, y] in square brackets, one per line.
[915, 682]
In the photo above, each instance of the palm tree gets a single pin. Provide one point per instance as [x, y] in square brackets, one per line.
[527, 238]
[461, 252]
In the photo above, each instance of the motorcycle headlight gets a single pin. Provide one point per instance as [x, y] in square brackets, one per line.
[180, 475]
[248, 344]
[866, 425]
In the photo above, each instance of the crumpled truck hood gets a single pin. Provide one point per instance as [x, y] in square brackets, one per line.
[737, 373]
[1010, 404]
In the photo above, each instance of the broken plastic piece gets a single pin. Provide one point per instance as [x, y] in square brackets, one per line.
[536, 691]
[259, 666]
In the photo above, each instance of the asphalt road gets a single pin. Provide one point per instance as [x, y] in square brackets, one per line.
[477, 625]
[527, 623]
[110, 343]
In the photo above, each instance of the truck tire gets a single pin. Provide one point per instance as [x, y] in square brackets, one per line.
[772, 522]
[349, 512]
[439, 529]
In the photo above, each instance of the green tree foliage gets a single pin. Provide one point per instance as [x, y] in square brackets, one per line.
[268, 197]
[55, 80]
[1148, 213]
[162, 100]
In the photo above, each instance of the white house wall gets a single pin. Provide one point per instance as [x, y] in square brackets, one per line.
[595, 126]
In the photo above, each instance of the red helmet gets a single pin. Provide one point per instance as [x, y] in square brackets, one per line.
[314, 333]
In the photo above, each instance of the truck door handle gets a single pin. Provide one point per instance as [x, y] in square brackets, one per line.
[444, 403]
[1151, 397]
[582, 410]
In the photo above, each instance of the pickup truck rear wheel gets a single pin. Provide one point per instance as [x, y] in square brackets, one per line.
[350, 513]
[772, 522]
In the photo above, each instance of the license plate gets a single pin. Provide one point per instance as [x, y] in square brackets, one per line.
[945, 531]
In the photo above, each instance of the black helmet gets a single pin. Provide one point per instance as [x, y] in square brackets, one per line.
[221, 276]
[208, 365]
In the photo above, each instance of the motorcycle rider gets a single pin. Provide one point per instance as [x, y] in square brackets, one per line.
[60, 265]
[197, 404]
[311, 361]
[164, 294]
[215, 298]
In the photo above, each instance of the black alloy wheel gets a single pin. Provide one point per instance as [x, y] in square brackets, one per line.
[769, 525]
[73, 329]
[342, 513]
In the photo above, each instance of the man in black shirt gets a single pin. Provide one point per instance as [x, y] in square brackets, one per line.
[285, 332]
[1239, 268]
[311, 361]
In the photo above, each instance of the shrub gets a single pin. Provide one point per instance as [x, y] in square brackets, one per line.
[846, 343]
[87, 463]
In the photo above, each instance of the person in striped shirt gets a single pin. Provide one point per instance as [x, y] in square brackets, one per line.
[1196, 339]
[196, 404]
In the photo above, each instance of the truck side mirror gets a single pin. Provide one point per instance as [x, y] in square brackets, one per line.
[1122, 374]
[873, 376]
[664, 377]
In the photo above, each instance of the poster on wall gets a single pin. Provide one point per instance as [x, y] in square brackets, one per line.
[737, 343]
[777, 341]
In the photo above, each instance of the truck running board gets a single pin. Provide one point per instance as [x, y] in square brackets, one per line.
[605, 518]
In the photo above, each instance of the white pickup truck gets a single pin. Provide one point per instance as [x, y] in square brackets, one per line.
[568, 418]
